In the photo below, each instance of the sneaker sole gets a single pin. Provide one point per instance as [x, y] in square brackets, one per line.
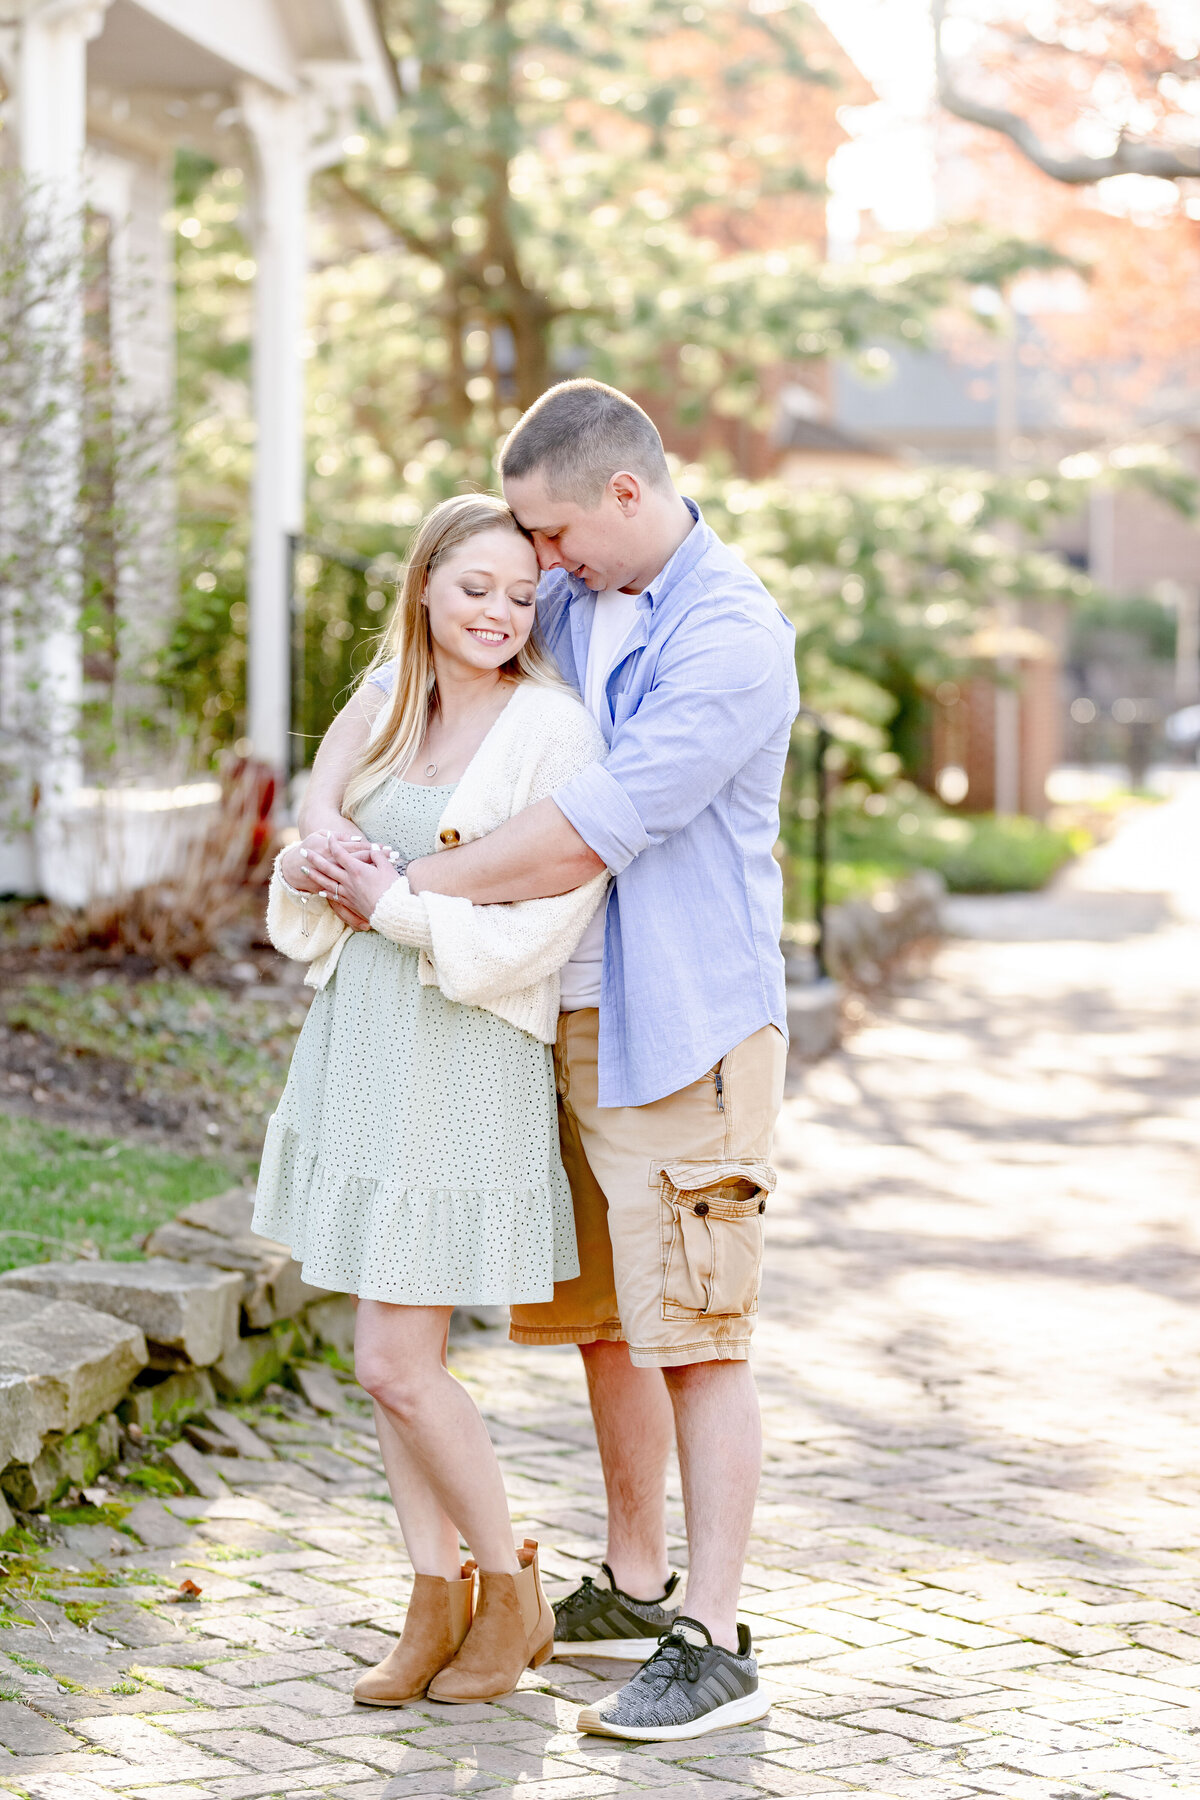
[637, 1650]
[734, 1712]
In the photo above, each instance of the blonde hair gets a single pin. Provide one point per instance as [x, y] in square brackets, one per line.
[407, 644]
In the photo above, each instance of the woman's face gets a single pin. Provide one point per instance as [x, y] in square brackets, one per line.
[481, 599]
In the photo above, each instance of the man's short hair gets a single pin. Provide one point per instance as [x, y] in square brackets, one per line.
[578, 435]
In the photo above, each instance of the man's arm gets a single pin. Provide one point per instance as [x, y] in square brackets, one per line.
[321, 808]
[720, 692]
[530, 857]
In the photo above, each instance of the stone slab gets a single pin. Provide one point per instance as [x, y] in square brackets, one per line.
[74, 1460]
[218, 1233]
[246, 1440]
[76, 1362]
[320, 1388]
[157, 1528]
[196, 1470]
[151, 1404]
[26, 1733]
[250, 1363]
[20, 1428]
[331, 1323]
[185, 1312]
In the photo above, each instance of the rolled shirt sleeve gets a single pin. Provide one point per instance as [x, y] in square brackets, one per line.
[720, 690]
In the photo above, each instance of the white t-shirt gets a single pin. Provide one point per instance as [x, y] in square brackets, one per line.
[613, 621]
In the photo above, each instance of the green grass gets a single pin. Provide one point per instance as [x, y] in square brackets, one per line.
[66, 1192]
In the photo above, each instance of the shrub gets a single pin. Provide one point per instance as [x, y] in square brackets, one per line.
[1001, 855]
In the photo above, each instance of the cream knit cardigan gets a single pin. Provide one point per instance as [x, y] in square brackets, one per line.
[503, 958]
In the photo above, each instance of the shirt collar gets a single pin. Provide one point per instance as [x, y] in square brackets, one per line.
[673, 571]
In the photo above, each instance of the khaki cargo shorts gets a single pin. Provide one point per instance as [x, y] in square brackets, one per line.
[669, 1205]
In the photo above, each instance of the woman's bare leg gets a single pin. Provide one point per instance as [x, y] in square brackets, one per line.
[441, 1467]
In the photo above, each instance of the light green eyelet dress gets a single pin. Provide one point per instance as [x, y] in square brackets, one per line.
[414, 1153]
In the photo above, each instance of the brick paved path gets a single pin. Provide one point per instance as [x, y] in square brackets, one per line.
[976, 1569]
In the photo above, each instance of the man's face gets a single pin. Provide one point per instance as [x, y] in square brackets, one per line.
[599, 544]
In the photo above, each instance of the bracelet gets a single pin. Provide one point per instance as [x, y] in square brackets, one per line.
[295, 892]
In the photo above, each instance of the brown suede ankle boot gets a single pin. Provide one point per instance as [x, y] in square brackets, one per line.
[513, 1629]
[437, 1621]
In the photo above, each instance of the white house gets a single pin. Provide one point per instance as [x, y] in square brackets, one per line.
[97, 95]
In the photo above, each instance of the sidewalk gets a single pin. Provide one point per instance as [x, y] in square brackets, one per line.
[976, 1568]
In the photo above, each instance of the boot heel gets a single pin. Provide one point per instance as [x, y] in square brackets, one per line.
[542, 1655]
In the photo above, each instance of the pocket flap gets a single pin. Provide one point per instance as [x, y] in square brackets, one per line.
[694, 1177]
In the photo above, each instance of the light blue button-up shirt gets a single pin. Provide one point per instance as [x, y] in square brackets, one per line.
[685, 812]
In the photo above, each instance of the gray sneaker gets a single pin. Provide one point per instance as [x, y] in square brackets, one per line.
[689, 1687]
[602, 1621]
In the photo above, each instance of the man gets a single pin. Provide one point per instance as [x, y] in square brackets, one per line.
[671, 1046]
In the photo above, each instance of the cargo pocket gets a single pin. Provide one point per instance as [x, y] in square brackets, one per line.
[712, 1237]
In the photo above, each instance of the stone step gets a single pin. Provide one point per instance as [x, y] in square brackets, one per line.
[218, 1233]
[157, 1403]
[188, 1315]
[64, 1462]
[74, 1363]
[249, 1364]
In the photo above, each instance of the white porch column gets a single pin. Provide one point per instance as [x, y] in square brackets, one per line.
[52, 117]
[278, 126]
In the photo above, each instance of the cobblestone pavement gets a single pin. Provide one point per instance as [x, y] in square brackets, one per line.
[976, 1568]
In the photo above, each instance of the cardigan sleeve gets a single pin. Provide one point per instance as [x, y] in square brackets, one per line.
[303, 931]
[483, 953]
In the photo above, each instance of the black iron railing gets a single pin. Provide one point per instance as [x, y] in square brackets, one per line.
[814, 811]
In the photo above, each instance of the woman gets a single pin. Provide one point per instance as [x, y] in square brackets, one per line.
[413, 1160]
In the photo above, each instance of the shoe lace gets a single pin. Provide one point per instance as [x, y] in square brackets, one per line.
[676, 1656]
[573, 1603]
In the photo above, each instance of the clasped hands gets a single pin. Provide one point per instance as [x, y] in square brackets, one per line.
[343, 866]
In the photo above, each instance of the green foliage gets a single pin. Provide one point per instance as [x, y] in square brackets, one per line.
[202, 666]
[565, 189]
[886, 585]
[1105, 622]
[61, 1193]
[980, 854]
[973, 854]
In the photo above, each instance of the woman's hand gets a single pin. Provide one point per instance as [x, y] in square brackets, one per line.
[295, 864]
[354, 877]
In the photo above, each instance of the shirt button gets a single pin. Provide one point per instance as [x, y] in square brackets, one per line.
[449, 836]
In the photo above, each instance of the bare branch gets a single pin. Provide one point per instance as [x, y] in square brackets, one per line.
[433, 248]
[1132, 156]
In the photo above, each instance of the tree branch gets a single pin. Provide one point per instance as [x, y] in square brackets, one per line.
[1131, 156]
[412, 240]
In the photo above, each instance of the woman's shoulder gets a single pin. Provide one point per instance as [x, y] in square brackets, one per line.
[557, 711]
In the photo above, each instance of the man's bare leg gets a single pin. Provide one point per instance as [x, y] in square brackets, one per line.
[635, 1428]
[719, 1432]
